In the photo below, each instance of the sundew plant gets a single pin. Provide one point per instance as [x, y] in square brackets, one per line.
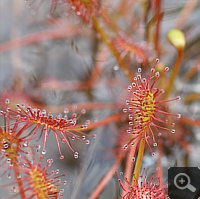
[98, 98]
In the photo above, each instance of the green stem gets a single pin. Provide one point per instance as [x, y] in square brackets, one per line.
[175, 71]
[157, 33]
[127, 70]
[138, 163]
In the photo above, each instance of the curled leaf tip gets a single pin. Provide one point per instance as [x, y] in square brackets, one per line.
[176, 38]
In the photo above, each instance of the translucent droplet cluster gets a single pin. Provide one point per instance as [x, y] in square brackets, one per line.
[36, 179]
[146, 188]
[64, 129]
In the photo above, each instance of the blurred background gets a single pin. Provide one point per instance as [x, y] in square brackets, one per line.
[46, 58]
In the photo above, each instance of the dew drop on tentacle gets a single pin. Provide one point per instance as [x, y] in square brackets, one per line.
[155, 144]
[129, 87]
[6, 145]
[9, 176]
[178, 98]
[152, 70]
[162, 91]
[8, 161]
[139, 70]
[166, 69]
[83, 111]
[73, 138]
[50, 161]
[134, 84]
[62, 157]
[87, 142]
[19, 176]
[64, 183]
[157, 74]
[25, 144]
[43, 151]
[75, 155]
[125, 110]
[115, 68]
[78, 13]
[57, 171]
[87, 122]
[62, 190]
[7, 101]
[83, 137]
[173, 131]
[125, 146]
[13, 189]
[128, 131]
[52, 172]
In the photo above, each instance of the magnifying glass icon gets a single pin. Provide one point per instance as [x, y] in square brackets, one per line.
[182, 181]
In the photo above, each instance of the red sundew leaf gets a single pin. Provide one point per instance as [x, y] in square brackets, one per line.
[63, 128]
[146, 109]
[38, 3]
[146, 188]
[85, 9]
[12, 142]
[37, 181]
[59, 33]
[127, 47]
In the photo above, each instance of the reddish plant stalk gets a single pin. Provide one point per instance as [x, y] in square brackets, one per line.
[60, 33]
[190, 121]
[138, 163]
[19, 182]
[105, 38]
[175, 70]
[159, 169]
[107, 177]
[108, 120]
[157, 33]
[130, 162]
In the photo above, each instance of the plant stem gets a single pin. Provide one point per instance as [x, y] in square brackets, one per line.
[130, 162]
[128, 72]
[107, 177]
[159, 169]
[187, 120]
[157, 33]
[138, 163]
[192, 97]
[108, 120]
[174, 71]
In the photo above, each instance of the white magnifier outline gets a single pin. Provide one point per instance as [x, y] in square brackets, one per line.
[187, 186]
